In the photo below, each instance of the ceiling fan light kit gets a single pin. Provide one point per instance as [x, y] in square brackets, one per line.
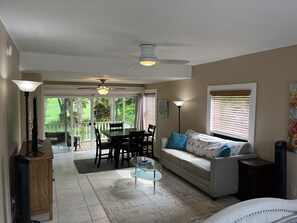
[147, 56]
[103, 90]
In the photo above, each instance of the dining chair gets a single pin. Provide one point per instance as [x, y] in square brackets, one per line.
[148, 143]
[133, 146]
[116, 126]
[100, 147]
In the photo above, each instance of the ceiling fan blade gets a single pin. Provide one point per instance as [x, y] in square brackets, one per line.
[177, 62]
[87, 88]
[118, 88]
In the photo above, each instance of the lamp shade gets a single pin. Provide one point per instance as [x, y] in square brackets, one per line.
[27, 86]
[103, 90]
[178, 103]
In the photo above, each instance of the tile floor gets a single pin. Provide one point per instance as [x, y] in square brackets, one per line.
[74, 200]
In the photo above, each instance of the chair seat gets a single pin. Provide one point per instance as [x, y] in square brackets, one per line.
[106, 145]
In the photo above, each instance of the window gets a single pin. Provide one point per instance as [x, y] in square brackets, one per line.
[231, 111]
[149, 109]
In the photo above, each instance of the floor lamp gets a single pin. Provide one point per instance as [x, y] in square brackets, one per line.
[27, 87]
[178, 104]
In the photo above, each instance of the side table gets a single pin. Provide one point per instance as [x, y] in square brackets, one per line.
[256, 179]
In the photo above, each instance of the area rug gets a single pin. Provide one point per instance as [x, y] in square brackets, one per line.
[88, 166]
[174, 201]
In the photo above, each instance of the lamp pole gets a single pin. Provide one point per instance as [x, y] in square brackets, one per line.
[179, 118]
[178, 104]
[27, 123]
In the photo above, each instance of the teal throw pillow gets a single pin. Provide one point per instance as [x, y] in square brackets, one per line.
[224, 151]
[178, 141]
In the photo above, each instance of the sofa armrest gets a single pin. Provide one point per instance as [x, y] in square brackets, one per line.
[164, 141]
[224, 174]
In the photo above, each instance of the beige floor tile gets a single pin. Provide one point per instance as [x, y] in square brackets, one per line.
[91, 200]
[88, 191]
[71, 203]
[75, 216]
[66, 194]
[97, 212]
[102, 220]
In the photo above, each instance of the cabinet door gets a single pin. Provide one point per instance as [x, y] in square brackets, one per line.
[40, 189]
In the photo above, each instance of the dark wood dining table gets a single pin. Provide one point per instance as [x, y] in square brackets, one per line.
[117, 137]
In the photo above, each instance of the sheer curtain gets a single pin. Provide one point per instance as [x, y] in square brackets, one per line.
[139, 112]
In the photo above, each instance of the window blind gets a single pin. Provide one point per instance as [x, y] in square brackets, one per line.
[149, 109]
[229, 113]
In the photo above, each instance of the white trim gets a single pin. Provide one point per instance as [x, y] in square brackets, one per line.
[252, 117]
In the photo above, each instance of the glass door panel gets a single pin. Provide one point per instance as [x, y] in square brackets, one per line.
[57, 123]
[129, 112]
[81, 122]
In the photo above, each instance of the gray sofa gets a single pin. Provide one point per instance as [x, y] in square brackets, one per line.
[217, 176]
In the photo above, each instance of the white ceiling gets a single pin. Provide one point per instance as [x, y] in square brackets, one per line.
[81, 40]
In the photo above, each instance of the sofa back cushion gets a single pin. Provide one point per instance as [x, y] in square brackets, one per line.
[209, 146]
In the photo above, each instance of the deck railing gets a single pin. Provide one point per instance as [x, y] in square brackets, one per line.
[81, 129]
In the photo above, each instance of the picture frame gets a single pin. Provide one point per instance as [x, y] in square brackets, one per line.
[292, 128]
[163, 108]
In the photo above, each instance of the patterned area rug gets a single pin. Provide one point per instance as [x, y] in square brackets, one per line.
[174, 201]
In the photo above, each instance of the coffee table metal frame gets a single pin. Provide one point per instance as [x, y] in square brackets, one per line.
[146, 168]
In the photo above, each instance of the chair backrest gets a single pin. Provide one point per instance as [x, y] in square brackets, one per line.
[136, 139]
[151, 129]
[116, 126]
[98, 138]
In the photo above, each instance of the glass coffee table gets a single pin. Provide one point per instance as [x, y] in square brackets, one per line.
[146, 168]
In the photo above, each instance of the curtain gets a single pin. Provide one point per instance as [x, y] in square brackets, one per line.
[139, 112]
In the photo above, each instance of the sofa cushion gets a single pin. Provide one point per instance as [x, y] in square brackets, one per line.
[174, 155]
[198, 166]
[178, 141]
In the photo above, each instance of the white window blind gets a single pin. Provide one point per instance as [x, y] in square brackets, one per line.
[149, 109]
[230, 112]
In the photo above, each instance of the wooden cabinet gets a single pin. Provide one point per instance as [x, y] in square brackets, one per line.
[256, 179]
[41, 179]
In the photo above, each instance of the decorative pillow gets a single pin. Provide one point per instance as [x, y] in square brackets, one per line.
[239, 147]
[178, 141]
[198, 141]
[224, 151]
[202, 147]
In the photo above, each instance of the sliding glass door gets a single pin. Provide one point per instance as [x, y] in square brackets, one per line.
[70, 122]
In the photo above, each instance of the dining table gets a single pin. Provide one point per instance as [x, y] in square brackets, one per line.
[117, 137]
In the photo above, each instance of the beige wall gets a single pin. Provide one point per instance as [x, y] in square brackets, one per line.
[272, 70]
[9, 119]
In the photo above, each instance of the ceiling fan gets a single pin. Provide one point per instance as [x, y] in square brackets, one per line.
[147, 57]
[102, 88]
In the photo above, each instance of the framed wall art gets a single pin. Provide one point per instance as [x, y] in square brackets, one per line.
[292, 129]
[163, 108]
